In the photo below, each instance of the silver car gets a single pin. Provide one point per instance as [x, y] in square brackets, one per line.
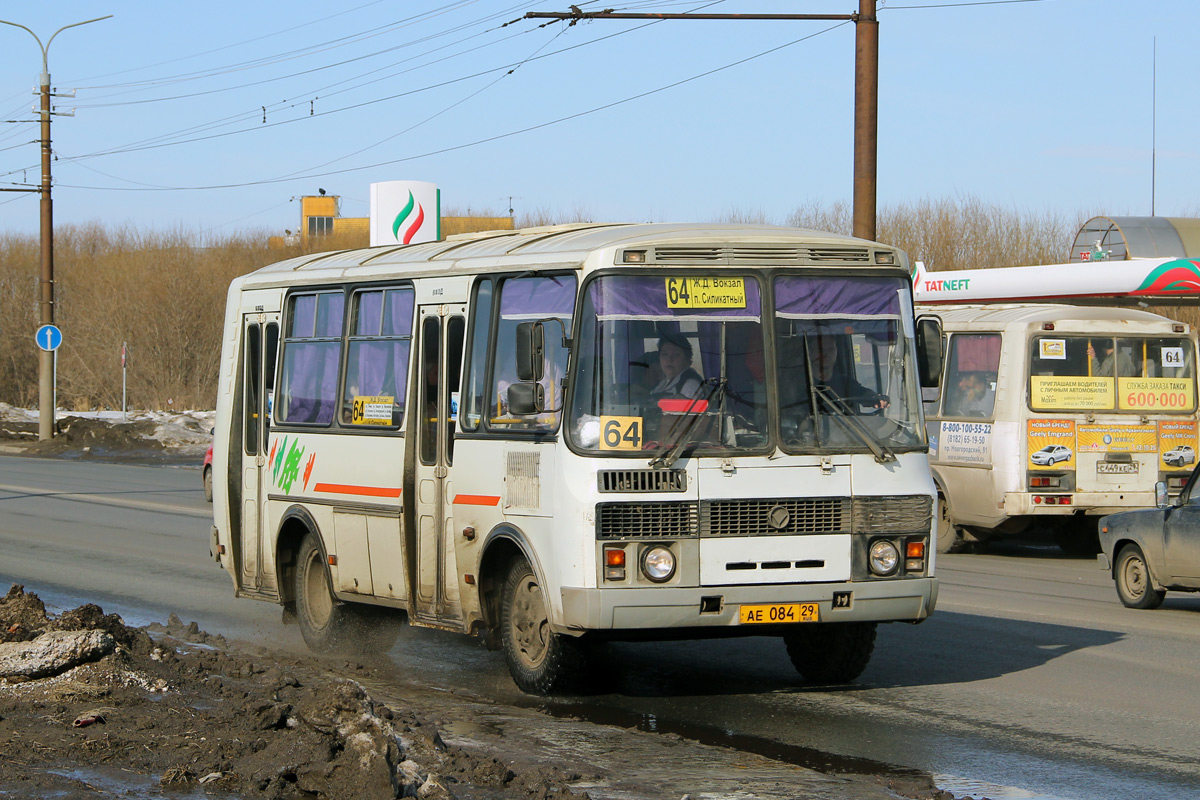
[1050, 454]
[1180, 456]
[1150, 551]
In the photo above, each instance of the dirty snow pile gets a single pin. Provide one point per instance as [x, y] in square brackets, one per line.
[170, 430]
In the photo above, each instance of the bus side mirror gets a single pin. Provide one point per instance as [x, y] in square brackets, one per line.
[531, 351]
[929, 351]
[526, 398]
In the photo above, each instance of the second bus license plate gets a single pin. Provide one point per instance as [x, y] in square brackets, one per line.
[1116, 468]
[776, 613]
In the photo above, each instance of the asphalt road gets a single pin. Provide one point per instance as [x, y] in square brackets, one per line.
[1030, 680]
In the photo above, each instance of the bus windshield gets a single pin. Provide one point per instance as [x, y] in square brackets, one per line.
[673, 364]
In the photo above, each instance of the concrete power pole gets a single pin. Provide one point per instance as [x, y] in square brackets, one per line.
[866, 88]
[46, 358]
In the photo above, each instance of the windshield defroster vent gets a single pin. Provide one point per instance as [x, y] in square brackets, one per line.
[765, 254]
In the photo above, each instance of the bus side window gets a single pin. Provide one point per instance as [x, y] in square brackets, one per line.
[377, 357]
[524, 299]
[473, 396]
[311, 355]
[974, 364]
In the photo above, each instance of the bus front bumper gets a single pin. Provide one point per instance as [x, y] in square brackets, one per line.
[901, 600]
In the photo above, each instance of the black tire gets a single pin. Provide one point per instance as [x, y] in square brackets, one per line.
[208, 484]
[325, 622]
[949, 535]
[834, 652]
[1135, 587]
[540, 661]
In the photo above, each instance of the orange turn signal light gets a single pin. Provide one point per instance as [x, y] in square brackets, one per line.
[914, 550]
[614, 558]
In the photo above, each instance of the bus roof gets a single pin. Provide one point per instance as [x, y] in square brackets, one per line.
[666, 244]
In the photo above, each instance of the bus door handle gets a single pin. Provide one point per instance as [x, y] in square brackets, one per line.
[440, 471]
[260, 460]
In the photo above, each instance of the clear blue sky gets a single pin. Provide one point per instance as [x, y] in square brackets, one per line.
[1037, 106]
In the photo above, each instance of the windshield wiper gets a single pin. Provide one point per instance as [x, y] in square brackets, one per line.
[670, 453]
[843, 414]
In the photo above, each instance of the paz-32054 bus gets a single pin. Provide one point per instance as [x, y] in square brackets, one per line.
[559, 436]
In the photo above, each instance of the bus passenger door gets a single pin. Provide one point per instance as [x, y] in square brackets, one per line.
[260, 344]
[436, 596]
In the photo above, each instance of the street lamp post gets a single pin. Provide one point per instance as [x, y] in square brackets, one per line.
[46, 357]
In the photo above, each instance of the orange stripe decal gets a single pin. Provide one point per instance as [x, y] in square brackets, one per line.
[476, 500]
[360, 491]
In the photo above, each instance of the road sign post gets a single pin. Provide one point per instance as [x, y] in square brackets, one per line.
[48, 339]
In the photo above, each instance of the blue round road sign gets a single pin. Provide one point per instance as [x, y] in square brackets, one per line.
[48, 337]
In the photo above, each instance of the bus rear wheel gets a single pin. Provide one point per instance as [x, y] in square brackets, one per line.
[324, 620]
[833, 652]
[540, 661]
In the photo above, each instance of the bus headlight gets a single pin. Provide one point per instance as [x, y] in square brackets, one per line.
[884, 557]
[658, 563]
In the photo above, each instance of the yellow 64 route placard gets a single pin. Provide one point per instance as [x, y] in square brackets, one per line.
[621, 433]
[706, 292]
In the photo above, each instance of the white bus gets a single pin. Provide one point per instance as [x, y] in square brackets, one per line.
[1057, 406]
[1054, 415]
[480, 433]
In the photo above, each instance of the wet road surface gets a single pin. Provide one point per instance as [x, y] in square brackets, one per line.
[1030, 681]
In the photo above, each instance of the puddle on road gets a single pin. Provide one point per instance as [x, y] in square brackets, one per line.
[966, 787]
[800, 756]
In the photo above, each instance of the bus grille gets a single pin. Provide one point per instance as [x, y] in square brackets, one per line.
[775, 516]
[633, 520]
[769, 517]
[893, 514]
[643, 480]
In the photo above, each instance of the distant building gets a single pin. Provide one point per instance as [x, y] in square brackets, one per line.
[320, 216]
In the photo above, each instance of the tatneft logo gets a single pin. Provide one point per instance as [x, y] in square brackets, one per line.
[404, 214]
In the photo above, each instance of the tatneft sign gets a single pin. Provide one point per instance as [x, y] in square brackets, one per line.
[405, 212]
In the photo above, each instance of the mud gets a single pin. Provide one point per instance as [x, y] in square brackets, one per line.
[173, 710]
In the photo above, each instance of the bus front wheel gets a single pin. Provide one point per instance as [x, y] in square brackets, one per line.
[949, 535]
[540, 661]
[833, 652]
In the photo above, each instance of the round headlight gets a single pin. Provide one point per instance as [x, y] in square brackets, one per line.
[658, 563]
[884, 557]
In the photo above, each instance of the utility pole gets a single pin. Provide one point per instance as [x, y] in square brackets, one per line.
[866, 88]
[46, 376]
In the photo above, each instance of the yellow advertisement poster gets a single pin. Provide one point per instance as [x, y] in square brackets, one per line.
[1051, 444]
[706, 292]
[1177, 444]
[1053, 393]
[1156, 394]
[1118, 438]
